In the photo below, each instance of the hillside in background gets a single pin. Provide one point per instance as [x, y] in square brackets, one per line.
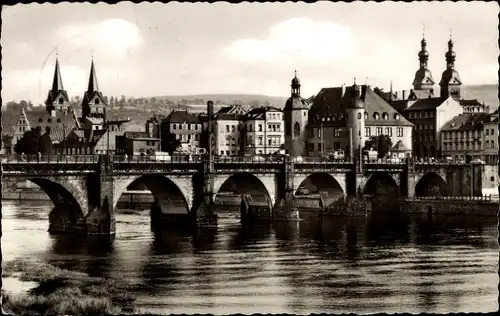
[486, 93]
[244, 99]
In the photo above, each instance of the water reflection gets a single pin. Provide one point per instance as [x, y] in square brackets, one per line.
[321, 264]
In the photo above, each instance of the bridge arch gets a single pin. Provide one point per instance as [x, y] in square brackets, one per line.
[70, 209]
[381, 184]
[323, 182]
[173, 194]
[431, 184]
[262, 188]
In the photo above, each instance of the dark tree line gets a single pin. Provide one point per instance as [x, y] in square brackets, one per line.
[34, 142]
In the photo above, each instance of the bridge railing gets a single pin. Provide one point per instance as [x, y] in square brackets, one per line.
[49, 158]
[269, 159]
[159, 159]
[320, 160]
[450, 198]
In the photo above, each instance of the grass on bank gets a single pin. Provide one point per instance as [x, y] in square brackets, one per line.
[62, 291]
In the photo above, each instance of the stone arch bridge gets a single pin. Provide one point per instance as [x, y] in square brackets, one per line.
[86, 189]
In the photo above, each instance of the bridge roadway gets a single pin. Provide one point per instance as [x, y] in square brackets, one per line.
[86, 188]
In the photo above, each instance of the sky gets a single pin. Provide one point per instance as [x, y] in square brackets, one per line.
[153, 49]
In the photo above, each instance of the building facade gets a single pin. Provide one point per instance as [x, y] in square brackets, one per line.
[264, 132]
[186, 127]
[344, 118]
[296, 120]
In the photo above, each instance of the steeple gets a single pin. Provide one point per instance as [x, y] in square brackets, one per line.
[57, 98]
[93, 103]
[57, 84]
[93, 86]
[423, 77]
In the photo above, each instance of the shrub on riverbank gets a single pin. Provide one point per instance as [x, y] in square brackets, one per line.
[64, 292]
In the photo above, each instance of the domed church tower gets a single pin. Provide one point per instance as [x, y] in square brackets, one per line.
[423, 77]
[450, 80]
[296, 118]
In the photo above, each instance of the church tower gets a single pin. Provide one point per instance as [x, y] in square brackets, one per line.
[296, 118]
[57, 98]
[450, 80]
[356, 119]
[93, 104]
[423, 77]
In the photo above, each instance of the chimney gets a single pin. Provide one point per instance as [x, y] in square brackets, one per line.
[487, 109]
[404, 94]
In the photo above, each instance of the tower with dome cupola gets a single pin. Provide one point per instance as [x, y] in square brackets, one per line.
[296, 119]
[423, 77]
[450, 80]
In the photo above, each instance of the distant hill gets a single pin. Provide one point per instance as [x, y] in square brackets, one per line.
[244, 99]
[487, 93]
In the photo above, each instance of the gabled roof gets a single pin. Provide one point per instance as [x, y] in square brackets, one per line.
[79, 132]
[226, 117]
[43, 119]
[330, 102]
[399, 147]
[58, 133]
[420, 94]
[232, 109]
[182, 117]
[467, 121]
[426, 104]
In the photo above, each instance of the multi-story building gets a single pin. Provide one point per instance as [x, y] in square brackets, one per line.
[429, 116]
[264, 130]
[186, 127]
[229, 130]
[463, 136]
[134, 143]
[346, 117]
[490, 131]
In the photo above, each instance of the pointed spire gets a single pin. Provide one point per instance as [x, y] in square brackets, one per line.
[93, 86]
[57, 84]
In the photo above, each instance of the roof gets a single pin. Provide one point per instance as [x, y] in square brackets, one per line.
[95, 120]
[331, 102]
[399, 147]
[44, 119]
[258, 113]
[232, 109]
[467, 121]
[426, 104]
[474, 102]
[226, 117]
[80, 133]
[58, 133]
[296, 102]
[136, 134]
[182, 117]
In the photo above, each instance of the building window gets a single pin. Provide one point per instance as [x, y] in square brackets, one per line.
[366, 116]
[399, 132]
[260, 128]
[189, 127]
[305, 113]
[96, 101]
[388, 131]
[227, 128]
[378, 131]
[174, 126]
[368, 132]
[487, 131]
[296, 129]
[359, 116]
[385, 116]
[336, 132]
[492, 132]
[233, 128]
[319, 132]
[492, 179]
[319, 147]
[376, 115]
[269, 141]
[260, 140]
[492, 144]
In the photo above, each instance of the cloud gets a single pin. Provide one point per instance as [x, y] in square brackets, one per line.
[298, 40]
[112, 36]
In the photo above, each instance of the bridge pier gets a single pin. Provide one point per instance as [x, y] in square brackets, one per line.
[64, 220]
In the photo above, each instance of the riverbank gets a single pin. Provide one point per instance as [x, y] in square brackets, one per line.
[63, 292]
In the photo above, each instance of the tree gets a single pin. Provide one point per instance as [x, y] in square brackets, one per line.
[169, 142]
[381, 144]
[30, 142]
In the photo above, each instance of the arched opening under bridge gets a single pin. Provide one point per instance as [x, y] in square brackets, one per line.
[319, 184]
[431, 184]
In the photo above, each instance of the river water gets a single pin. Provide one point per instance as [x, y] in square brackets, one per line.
[377, 263]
